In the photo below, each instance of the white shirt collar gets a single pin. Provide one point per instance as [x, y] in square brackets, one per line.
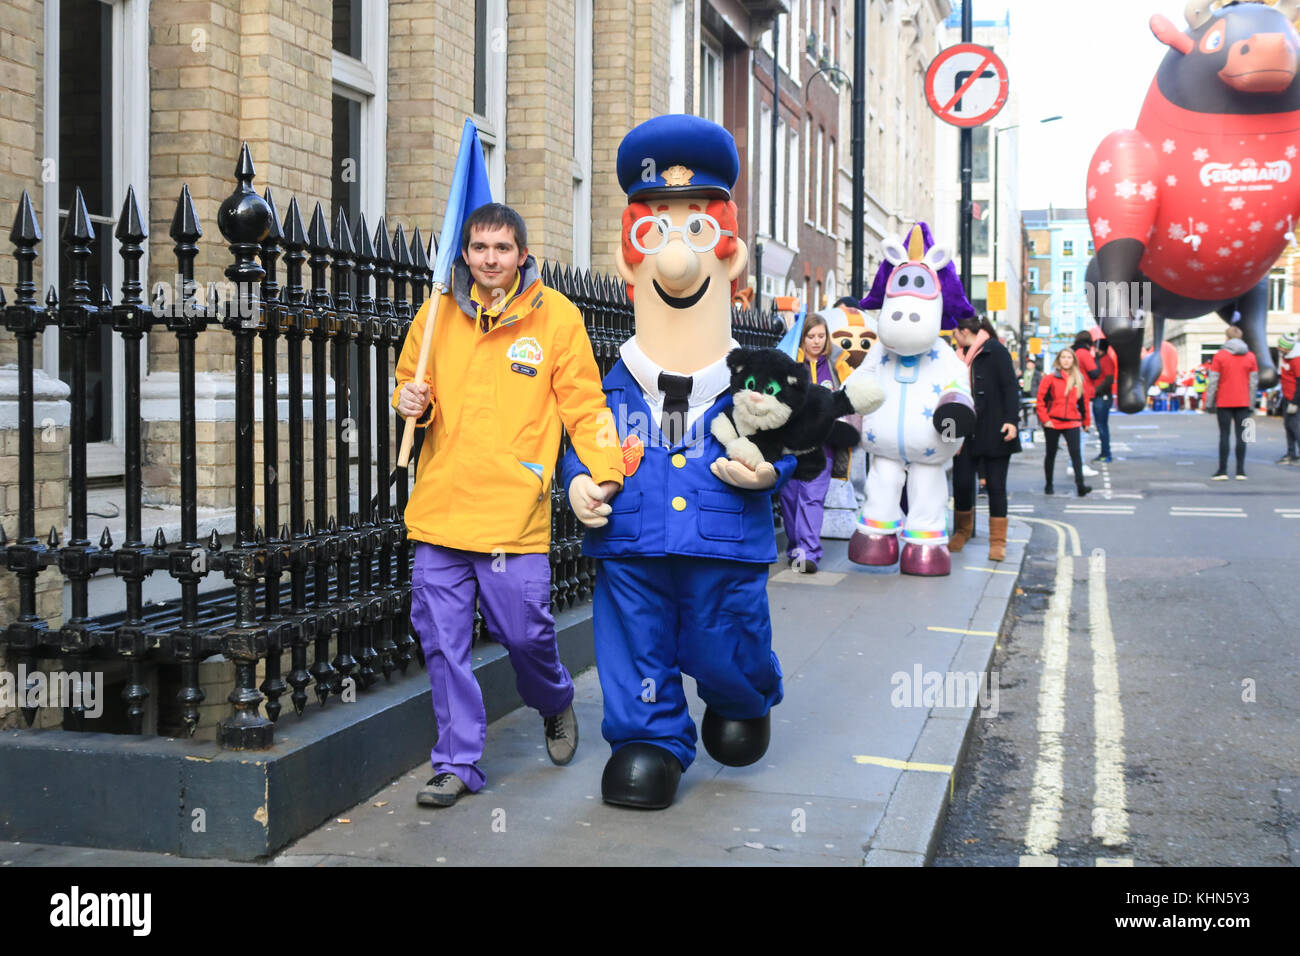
[706, 384]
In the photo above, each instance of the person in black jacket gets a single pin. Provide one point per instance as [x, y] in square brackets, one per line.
[987, 453]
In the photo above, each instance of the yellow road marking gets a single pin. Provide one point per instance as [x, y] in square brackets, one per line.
[894, 764]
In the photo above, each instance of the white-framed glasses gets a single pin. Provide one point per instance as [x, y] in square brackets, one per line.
[700, 232]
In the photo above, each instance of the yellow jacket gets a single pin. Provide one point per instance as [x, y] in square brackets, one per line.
[499, 401]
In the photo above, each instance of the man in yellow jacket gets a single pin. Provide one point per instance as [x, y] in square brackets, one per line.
[510, 365]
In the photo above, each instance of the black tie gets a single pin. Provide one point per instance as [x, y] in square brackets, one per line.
[677, 391]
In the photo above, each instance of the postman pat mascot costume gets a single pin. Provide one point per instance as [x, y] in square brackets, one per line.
[684, 547]
[927, 411]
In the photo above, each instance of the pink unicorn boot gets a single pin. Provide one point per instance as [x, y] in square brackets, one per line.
[925, 560]
[876, 550]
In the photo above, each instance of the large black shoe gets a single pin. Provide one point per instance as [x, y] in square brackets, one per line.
[1083, 489]
[642, 776]
[735, 743]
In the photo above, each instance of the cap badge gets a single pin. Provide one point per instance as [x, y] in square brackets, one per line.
[678, 176]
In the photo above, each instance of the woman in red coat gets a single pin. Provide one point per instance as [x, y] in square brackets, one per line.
[1234, 377]
[1062, 411]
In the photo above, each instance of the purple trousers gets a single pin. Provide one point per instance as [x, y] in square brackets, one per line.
[514, 593]
[802, 506]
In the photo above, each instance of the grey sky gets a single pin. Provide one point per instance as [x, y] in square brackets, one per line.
[1089, 62]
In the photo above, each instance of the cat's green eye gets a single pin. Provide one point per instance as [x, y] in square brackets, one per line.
[750, 383]
[773, 389]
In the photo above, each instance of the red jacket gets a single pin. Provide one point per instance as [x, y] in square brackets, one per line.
[1234, 367]
[1106, 365]
[1290, 372]
[1088, 370]
[1058, 404]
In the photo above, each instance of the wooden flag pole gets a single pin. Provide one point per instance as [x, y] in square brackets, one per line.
[408, 434]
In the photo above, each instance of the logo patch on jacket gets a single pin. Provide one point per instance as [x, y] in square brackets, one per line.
[526, 349]
[633, 450]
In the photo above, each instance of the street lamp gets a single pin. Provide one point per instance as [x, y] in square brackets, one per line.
[1024, 339]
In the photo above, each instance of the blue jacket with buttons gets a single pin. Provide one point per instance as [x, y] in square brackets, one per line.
[673, 504]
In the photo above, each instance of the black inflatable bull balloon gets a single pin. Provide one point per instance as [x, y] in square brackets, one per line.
[1200, 200]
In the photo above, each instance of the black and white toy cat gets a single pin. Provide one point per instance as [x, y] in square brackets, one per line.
[777, 410]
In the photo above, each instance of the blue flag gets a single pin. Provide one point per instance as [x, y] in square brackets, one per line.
[790, 342]
[469, 190]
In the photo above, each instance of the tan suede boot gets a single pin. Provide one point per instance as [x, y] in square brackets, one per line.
[997, 539]
[963, 529]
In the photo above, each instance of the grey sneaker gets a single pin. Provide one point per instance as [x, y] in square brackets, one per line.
[562, 736]
[442, 790]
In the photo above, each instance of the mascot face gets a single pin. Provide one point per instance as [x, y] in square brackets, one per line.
[679, 255]
[855, 333]
[766, 387]
[912, 312]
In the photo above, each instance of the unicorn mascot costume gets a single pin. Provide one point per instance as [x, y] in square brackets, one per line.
[927, 410]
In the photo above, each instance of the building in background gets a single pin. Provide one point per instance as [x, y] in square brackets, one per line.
[798, 231]
[1061, 248]
[993, 255]
[900, 137]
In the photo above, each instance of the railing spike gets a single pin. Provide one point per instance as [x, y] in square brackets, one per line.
[214, 541]
[105, 297]
[185, 221]
[106, 539]
[318, 232]
[26, 229]
[294, 233]
[284, 531]
[159, 540]
[51, 299]
[307, 529]
[53, 539]
[3, 301]
[361, 238]
[276, 234]
[4, 538]
[383, 249]
[79, 228]
[130, 224]
[343, 234]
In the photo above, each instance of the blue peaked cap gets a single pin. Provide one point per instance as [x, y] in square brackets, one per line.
[688, 156]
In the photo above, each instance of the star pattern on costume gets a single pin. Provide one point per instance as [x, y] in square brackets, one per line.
[927, 412]
[1224, 251]
[1148, 190]
[1173, 275]
[1168, 146]
[1256, 226]
[1176, 230]
[1237, 203]
[884, 360]
[1103, 167]
[1201, 154]
[938, 390]
[934, 354]
[1202, 228]
[929, 452]
[1125, 189]
[1237, 243]
[1280, 225]
[1195, 266]
[1092, 193]
[1171, 180]
[871, 436]
[1101, 228]
[1290, 152]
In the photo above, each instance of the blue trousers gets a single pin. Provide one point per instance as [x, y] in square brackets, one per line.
[657, 618]
[1101, 415]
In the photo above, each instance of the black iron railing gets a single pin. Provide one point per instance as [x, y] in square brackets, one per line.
[340, 574]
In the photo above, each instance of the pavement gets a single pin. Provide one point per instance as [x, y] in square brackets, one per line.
[860, 770]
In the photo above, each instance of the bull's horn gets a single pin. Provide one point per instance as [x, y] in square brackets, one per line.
[1289, 9]
[1198, 12]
